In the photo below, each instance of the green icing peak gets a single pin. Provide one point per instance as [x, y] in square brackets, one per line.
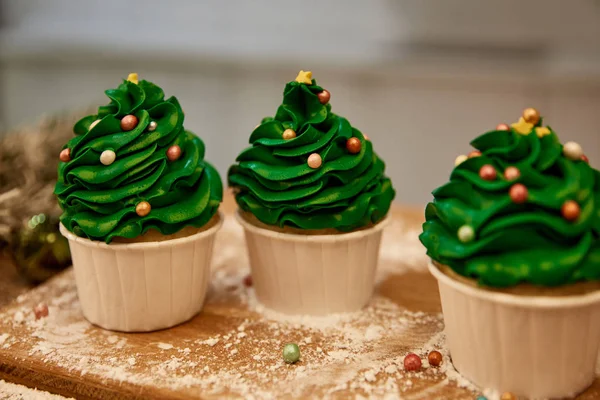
[274, 181]
[550, 239]
[99, 201]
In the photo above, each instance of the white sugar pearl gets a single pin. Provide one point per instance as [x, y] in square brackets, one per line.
[466, 233]
[107, 157]
[93, 124]
[460, 159]
[152, 126]
[573, 151]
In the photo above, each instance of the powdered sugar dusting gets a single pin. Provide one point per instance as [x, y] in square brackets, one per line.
[10, 391]
[3, 338]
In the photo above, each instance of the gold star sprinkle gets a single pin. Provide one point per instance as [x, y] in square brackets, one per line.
[133, 77]
[542, 131]
[522, 127]
[304, 77]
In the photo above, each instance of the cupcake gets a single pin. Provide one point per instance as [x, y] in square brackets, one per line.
[140, 211]
[514, 240]
[313, 200]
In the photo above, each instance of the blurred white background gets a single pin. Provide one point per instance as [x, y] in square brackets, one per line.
[421, 78]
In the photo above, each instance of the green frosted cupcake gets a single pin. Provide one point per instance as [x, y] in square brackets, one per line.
[140, 209]
[308, 186]
[133, 167]
[514, 237]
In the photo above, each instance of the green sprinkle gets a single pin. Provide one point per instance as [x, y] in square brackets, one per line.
[291, 353]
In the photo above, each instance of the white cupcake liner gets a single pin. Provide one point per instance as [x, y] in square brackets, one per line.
[140, 287]
[533, 346]
[313, 274]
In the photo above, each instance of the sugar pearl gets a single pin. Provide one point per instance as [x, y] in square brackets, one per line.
[508, 396]
[40, 311]
[93, 124]
[152, 126]
[502, 127]
[289, 134]
[570, 210]
[518, 193]
[460, 159]
[65, 155]
[107, 157]
[531, 115]
[324, 96]
[315, 160]
[512, 173]
[487, 172]
[466, 233]
[573, 151]
[143, 208]
[474, 153]
[173, 153]
[353, 145]
[291, 353]
[435, 358]
[412, 362]
[128, 122]
[585, 158]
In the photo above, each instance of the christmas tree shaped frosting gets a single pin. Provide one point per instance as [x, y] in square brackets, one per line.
[134, 167]
[521, 208]
[309, 168]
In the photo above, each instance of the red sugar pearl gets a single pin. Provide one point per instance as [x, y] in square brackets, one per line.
[324, 96]
[487, 172]
[173, 153]
[353, 145]
[518, 193]
[570, 210]
[435, 358]
[65, 155]
[40, 311]
[412, 362]
[128, 122]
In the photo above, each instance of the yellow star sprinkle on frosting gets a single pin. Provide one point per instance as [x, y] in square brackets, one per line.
[304, 77]
[524, 128]
[542, 131]
[133, 77]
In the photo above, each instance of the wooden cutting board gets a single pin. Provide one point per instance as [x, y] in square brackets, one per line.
[233, 348]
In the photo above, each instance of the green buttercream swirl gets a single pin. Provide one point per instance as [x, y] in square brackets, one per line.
[518, 243]
[274, 182]
[99, 201]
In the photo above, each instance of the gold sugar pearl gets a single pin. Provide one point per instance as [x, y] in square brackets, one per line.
[289, 134]
[143, 208]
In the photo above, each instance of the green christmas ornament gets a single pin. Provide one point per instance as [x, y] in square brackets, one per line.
[291, 353]
[38, 250]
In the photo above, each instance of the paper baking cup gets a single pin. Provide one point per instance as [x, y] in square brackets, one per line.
[140, 287]
[313, 274]
[533, 346]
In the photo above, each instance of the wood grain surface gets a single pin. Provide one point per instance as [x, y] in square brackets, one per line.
[233, 347]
